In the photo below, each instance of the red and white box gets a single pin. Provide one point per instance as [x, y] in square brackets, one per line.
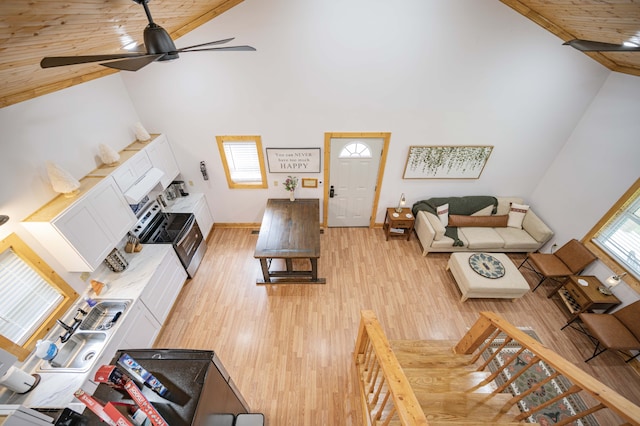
[110, 416]
[144, 404]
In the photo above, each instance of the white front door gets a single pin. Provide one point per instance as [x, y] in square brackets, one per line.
[353, 174]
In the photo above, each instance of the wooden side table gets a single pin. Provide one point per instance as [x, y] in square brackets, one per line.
[578, 298]
[398, 224]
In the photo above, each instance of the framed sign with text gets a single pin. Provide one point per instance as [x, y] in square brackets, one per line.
[289, 160]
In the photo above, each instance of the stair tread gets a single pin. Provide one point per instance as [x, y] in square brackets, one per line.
[429, 353]
[465, 423]
[439, 380]
[415, 360]
[417, 345]
[473, 422]
[466, 407]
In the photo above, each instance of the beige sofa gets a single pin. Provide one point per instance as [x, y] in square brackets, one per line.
[501, 238]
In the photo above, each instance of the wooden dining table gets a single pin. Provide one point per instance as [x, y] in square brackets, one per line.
[290, 231]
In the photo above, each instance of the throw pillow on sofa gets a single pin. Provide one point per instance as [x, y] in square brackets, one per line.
[516, 215]
[478, 221]
[437, 226]
[443, 214]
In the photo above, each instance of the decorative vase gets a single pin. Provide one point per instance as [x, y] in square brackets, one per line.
[108, 155]
[62, 181]
[291, 196]
[141, 133]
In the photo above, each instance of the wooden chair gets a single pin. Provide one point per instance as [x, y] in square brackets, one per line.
[619, 330]
[570, 259]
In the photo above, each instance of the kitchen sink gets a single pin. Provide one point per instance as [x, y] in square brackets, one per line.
[78, 354]
[104, 314]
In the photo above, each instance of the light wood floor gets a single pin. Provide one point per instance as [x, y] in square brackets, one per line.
[288, 347]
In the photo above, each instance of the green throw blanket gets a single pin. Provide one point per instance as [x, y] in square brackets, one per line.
[457, 205]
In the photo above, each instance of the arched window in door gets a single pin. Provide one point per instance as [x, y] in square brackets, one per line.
[355, 150]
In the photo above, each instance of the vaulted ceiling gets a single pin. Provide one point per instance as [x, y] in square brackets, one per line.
[32, 29]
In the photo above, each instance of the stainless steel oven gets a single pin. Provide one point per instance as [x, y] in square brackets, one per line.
[179, 229]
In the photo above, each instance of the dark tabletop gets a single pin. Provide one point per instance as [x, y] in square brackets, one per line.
[290, 229]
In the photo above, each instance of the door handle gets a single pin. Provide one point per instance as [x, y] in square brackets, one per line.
[332, 192]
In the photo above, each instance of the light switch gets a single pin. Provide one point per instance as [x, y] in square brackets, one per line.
[275, 183]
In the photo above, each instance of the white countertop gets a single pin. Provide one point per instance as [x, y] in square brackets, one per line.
[56, 389]
[183, 204]
[130, 283]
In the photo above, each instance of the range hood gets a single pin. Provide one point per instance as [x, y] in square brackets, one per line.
[143, 186]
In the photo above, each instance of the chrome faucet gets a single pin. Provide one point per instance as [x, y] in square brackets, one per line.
[70, 329]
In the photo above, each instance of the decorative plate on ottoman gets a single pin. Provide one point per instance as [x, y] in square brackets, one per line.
[486, 265]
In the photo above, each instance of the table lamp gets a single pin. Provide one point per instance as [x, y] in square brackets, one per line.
[401, 203]
[610, 283]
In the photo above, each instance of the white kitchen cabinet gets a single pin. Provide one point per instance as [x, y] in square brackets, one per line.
[164, 287]
[80, 232]
[132, 170]
[143, 330]
[162, 157]
[203, 216]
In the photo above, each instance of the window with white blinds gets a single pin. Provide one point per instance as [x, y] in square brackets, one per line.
[27, 299]
[620, 236]
[243, 161]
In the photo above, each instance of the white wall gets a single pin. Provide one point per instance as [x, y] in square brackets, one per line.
[430, 72]
[595, 167]
[65, 127]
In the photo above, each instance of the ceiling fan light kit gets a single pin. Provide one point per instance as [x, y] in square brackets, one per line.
[598, 46]
[158, 47]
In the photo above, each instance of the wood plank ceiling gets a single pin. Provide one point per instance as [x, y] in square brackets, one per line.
[32, 29]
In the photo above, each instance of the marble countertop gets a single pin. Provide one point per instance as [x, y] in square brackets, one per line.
[55, 390]
[183, 204]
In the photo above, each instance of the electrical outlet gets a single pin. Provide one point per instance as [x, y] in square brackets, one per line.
[84, 276]
[275, 183]
[190, 183]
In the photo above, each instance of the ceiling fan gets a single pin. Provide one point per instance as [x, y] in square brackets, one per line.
[159, 47]
[598, 46]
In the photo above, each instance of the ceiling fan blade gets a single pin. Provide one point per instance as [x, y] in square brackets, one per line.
[238, 48]
[597, 46]
[226, 40]
[60, 61]
[132, 64]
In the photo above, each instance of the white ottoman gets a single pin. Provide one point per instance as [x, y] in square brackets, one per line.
[471, 284]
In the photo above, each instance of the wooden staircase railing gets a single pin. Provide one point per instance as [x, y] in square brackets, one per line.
[384, 388]
[489, 325]
[387, 397]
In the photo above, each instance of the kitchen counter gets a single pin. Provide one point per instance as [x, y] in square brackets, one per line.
[185, 204]
[130, 283]
[56, 390]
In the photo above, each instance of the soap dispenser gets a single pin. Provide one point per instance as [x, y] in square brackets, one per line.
[46, 349]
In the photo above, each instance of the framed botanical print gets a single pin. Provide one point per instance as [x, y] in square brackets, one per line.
[446, 162]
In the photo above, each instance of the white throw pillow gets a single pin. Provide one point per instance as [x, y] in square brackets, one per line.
[516, 215]
[436, 225]
[443, 214]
